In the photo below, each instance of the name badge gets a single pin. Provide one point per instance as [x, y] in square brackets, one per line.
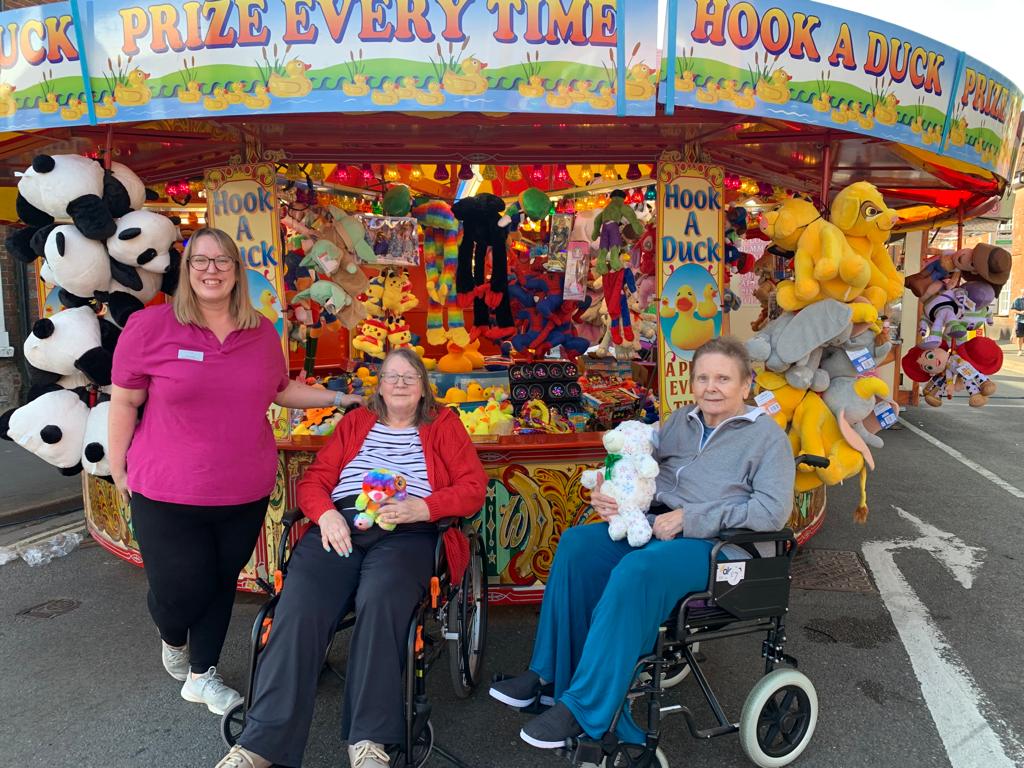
[190, 354]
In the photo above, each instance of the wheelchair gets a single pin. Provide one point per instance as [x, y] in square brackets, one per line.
[451, 616]
[744, 597]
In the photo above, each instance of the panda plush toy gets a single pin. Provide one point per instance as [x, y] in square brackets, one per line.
[144, 239]
[74, 263]
[65, 188]
[52, 426]
[95, 451]
[123, 190]
[72, 340]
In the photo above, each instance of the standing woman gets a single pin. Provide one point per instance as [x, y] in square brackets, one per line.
[199, 465]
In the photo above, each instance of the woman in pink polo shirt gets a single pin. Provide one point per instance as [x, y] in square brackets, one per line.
[199, 464]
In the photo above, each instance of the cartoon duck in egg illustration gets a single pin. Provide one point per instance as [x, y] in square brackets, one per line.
[695, 318]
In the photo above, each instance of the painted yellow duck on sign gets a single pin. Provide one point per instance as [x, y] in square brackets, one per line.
[48, 105]
[294, 83]
[605, 98]
[685, 82]
[74, 110]
[192, 93]
[386, 96]
[560, 98]
[581, 91]
[134, 93]
[885, 110]
[709, 94]
[745, 99]
[8, 106]
[106, 108]
[958, 132]
[638, 82]
[468, 81]
[695, 320]
[260, 98]
[822, 102]
[432, 97]
[237, 92]
[358, 86]
[408, 87]
[775, 89]
[216, 101]
[533, 88]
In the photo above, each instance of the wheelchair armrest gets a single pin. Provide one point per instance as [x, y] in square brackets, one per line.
[448, 522]
[291, 517]
[747, 536]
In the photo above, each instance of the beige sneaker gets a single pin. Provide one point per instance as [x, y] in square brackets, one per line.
[239, 757]
[368, 754]
[175, 660]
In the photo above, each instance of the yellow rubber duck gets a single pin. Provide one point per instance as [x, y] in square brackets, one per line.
[217, 100]
[237, 92]
[407, 87]
[709, 94]
[455, 361]
[728, 91]
[47, 106]
[469, 82]
[8, 106]
[822, 102]
[192, 93]
[638, 83]
[958, 132]
[474, 392]
[581, 91]
[775, 90]
[473, 354]
[865, 119]
[694, 323]
[293, 83]
[136, 93]
[433, 96]
[685, 82]
[917, 124]
[74, 110]
[745, 99]
[842, 114]
[532, 89]
[885, 110]
[259, 99]
[106, 107]
[605, 98]
[387, 95]
[559, 98]
[932, 134]
[266, 307]
[358, 86]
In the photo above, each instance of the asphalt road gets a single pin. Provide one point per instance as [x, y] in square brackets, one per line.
[86, 688]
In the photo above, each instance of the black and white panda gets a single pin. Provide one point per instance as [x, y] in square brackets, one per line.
[70, 341]
[123, 190]
[95, 444]
[75, 263]
[52, 426]
[144, 239]
[65, 188]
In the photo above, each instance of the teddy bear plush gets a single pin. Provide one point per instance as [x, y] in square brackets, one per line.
[629, 473]
[378, 485]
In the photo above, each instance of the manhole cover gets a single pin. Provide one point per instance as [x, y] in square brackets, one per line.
[50, 608]
[830, 569]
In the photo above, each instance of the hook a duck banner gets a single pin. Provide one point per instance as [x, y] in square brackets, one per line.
[691, 230]
[805, 61]
[190, 59]
[41, 83]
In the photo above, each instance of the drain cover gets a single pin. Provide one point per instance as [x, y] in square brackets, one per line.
[50, 608]
[830, 569]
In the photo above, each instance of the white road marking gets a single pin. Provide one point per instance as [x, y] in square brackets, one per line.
[953, 698]
[988, 475]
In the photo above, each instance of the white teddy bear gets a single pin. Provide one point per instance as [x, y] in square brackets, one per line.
[629, 474]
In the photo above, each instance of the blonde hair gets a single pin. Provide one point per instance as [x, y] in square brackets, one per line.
[186, 305]
[426, 410]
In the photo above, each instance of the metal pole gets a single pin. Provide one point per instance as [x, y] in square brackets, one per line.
[826, 173]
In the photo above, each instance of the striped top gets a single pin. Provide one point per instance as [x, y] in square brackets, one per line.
[399, 450]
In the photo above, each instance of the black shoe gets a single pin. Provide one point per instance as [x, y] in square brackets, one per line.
[547, 695]
[551, 729]
[519, 691]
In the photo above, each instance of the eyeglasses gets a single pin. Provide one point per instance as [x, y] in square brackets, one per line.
[408, 379]
[202, 263]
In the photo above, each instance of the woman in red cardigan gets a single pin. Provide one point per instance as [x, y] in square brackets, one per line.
[382, 574]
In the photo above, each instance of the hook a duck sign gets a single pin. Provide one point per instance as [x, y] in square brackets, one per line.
[691, 224]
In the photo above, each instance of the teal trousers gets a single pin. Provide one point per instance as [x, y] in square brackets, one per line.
[603, 604]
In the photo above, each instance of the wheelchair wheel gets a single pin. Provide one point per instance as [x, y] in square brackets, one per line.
[778, 718]
[231, 724]
[467, 618]
[420, 750]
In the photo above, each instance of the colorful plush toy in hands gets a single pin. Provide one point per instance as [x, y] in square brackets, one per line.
[378, 486]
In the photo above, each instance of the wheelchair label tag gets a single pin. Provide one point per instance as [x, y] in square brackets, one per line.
[733, 573]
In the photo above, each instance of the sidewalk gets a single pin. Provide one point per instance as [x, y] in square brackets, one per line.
[31, 488]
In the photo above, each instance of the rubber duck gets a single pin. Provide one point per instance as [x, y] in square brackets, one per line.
[638, 82]
[885, 110]
[581, 91]
[709, 94]
[237, 92]
[533, 89]
[685, 82]
[407, 87]
[472, 352]
[559, 98]
[865, 119]
[822, 102]
[958, 132]
[474, 392]
[432, 97]
[605, 98]
[388, 94]
[192, 92]
[694, 322]
[267, 308]
[106, 107]
[917, 124]
[745, 99]
[468, 82]
[358, 86]
[47, 106]
[74, 110]
[135, 93]
[455, 361]
[293, 83]
[774, 90]
[842, 113]
[8, 106]
[931, 135]
[259, 99]
[455, 396]
[217, 100]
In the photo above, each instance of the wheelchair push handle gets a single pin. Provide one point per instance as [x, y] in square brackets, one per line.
[819, 462]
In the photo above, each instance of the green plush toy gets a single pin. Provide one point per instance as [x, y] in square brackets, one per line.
[352, 231]
[611, 246]
[531, 203]
[397, 201]
[327, 294]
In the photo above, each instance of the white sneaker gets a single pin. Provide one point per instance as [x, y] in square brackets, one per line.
[368, 754]
[239, 757]
[209, 689]
[175, 661]
[1020, 353]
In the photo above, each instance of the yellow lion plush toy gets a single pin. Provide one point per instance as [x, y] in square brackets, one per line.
[862, 216]
[824, 264]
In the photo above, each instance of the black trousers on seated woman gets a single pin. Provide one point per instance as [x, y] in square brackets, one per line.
[383, 579]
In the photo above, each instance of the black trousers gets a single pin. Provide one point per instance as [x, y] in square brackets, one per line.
[383, 579]
[192, 556]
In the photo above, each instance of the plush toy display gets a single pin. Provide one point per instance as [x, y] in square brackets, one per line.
[947, 369]
[862, 216]
[481, 231]
[445, 320]
[144, 239]
[72, 340]
[95, 445]
[378, 486]
[628, 477]
[65, 188]
[78, 265]
[52, 426]
[608, 226]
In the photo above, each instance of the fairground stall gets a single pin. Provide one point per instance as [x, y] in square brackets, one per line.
[552, 205]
